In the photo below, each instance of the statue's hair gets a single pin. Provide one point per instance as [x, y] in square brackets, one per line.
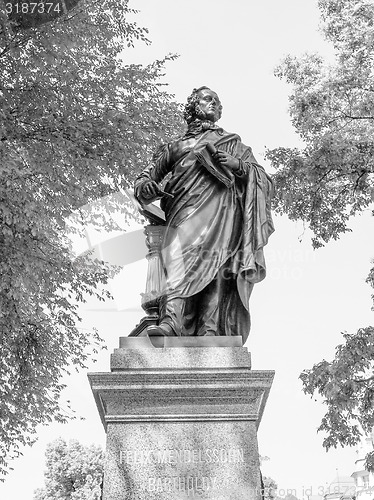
[190, 113]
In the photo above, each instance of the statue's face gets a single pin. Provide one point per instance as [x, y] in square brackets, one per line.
[209, 106]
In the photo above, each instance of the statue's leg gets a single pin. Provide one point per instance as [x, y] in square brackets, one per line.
[234, 317]
[220, 310]
[179, 314]
[208, 310]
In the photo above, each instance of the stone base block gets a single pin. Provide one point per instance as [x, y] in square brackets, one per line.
[181, 422]
[215, 460]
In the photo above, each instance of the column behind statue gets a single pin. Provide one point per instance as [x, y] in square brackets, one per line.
[181, 405]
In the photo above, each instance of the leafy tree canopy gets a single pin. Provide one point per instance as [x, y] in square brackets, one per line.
[346, 385]
[329, 180]
[269, 488]
[332, 109]
[76, 124]
[74, 472]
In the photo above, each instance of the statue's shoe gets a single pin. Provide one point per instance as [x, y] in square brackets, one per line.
[163, 329]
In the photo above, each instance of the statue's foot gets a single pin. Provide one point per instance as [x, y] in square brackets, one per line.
[163, 329]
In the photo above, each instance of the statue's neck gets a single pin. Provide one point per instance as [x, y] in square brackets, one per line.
[199, 126]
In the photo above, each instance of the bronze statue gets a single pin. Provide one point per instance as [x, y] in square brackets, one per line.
[217, 209]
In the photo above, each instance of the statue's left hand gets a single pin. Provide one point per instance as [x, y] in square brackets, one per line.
[226, 159]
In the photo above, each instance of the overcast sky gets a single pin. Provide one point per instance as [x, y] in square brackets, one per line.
[308, 298]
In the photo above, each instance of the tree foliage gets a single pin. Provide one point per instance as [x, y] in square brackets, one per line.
[74, 472]
[269, 488]
[76, 124]
[329, 180]
[332, 109]
[347, 387]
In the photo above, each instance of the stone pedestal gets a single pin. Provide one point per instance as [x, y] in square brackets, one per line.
[181, 420]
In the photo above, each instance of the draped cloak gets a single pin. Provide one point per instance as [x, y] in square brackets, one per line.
[210, 227]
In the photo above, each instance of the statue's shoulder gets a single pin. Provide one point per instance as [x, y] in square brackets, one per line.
[169, 149]
[161, 152]
[225, 136]
[179, 145]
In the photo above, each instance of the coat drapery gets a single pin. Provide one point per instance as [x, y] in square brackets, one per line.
[215, 224]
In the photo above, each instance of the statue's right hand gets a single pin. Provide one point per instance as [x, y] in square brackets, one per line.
[150, 190]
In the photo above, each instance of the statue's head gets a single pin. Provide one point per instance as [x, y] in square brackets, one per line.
[204, 104]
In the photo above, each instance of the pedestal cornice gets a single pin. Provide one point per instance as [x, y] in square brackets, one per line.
[181, 394]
